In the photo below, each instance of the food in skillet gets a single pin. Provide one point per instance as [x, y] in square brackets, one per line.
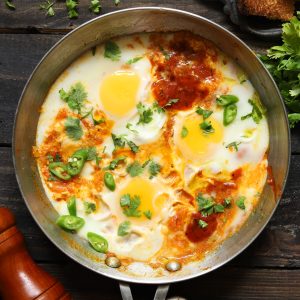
[152, 147]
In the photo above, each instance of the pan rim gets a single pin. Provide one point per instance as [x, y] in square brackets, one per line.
[151, 280]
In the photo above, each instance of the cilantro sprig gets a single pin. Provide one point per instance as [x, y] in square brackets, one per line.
[74, 97]
[71, 6]
[48, 8]
[130, 205]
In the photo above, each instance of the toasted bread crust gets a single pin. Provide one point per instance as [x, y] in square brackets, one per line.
[272, 9]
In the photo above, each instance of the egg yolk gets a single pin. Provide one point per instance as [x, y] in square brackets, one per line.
[197, 143]
[147, 192]
[118, 92]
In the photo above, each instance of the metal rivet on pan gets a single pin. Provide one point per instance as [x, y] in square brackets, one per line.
[113, 262]
[173, 266]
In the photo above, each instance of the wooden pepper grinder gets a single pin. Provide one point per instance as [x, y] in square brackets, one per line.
[20, 277]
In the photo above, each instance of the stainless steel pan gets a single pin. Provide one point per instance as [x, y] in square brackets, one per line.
[122, 23]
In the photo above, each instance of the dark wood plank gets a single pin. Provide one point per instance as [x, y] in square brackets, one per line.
[28, 14]
[225, 283]
[16, 66]
[277, 246]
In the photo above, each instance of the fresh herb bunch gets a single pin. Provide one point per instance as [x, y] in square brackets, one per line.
[283, 62]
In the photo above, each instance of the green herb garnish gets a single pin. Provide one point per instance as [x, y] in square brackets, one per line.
[133, 147]
[145, 114]
[75, 97]
[48, 8]
[206, 127]
[134, 169]
[130, 205]
[112, 51]
[234, 145]
[89, 207]
[154, 168]
[283, 63]
[203, 112]
[148, 214]
[134, 60]
[95, 7]
[72, 8]
[10, 5]
[225, 100]
[73, 128]
[114, 163]
[240, 202]
[184, 132]
[124, 228]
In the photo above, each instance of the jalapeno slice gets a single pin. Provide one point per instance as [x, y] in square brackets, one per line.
[70, 222]
[109, 181]
[230, 113]
[59, 169]
[76, 162]
[71, 204]
[98, 242]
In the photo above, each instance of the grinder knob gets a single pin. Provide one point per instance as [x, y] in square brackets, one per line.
[20, 277]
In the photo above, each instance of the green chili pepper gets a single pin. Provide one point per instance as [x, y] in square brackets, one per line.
[98, 242]
[230, 113]
[109, 181]
[71, 204]
[76, 162]
[70, 222]
[59, 169]
[225, 100]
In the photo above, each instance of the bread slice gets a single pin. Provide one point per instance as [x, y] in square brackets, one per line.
[272, 9]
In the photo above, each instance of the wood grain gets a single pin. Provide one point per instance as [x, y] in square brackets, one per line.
[226, 283]
[278, 245]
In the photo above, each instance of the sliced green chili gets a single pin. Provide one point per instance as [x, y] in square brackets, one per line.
[229, 114]
[70, 222]
[59, 169]
[97, 242]
[76, 162]
[109, 181]
[71, 204]
[225, 100]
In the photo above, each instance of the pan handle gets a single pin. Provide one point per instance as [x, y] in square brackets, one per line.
[160, 294]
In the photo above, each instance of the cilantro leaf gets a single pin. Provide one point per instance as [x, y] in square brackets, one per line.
[154, 168]
[145, 114]
[256, 113]
[95, 7]
[48, 7]
[134, 169]
[91, 153]
[118, 140]
[72, 8]
[128, 126]
[124, 228]
[73, 128]
[157, 108]
[184, 132]
[206, 127]
[10, 5]
[294, 119]
[89, 207]
[130, 205]
[133, 147]
[112, 51]
[203, 112]
[148, 214]
[114, 163]
[240, 202]
[234, 145]
[75, 97]
[134, 60]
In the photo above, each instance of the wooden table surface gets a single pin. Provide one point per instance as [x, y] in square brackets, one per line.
[268, 269]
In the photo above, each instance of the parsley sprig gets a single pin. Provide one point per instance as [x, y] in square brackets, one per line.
[283, 63]
[130, 205]
[48, 8]
[71, 6]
